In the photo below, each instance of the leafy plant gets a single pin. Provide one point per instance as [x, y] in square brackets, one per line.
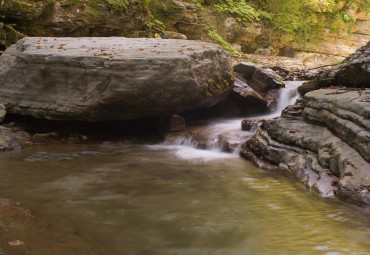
[118, 6]
[239, 8]
[155, 25]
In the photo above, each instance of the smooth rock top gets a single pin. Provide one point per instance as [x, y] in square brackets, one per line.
[98, 79]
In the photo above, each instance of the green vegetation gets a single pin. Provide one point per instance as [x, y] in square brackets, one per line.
[297, 20]
[307, 19]
[118, 6]
[154, 25]
[216, 38]
[238, 8]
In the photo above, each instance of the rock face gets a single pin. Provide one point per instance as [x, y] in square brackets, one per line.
[247, 99]
[353, 72]
[246, 69]
[101, 79]
[2, 112]
[255, 88]
[324, 140]
[264, 80]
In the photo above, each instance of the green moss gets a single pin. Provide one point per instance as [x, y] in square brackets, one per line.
[216, 38]
[219, 85]
[118, 6]
[24, 6]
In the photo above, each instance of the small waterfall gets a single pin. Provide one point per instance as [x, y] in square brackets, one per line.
[288, 95]
[225, 135]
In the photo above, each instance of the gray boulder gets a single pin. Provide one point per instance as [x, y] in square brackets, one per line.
[102, 79]
[264, 80]
[246, 69]
[247, 99]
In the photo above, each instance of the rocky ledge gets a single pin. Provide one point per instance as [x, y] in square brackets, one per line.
[324, 139]
[104, 79]
[353, 72]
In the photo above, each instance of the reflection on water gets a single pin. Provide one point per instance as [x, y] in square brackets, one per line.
[134, 199]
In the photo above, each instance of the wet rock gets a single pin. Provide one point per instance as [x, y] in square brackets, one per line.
[45, 137]
[286, 51]
[326, 132]
[307, 87]
[248, 125]
[272, 97]
[177, 123]
[101, 79]
[2, 112]
[247, 99]
[293, 111]
[264, 80]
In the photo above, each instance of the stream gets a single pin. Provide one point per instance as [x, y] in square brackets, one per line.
[174, 198]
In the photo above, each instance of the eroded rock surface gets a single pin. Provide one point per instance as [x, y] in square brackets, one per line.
[324, 140]
[353, 72]
[99, 79]
[2, 112]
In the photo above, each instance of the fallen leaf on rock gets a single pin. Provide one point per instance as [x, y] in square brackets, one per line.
[39, 47]
[15, 243]
[292, 131]
[367, 186]
[141, 49]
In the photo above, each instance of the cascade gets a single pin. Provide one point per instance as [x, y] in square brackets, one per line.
[212, 139]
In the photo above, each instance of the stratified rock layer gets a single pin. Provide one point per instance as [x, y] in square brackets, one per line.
[99, 79]
[325, 137]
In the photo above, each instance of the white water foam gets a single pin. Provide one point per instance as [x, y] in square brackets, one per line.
[186, 147]
[193, 154]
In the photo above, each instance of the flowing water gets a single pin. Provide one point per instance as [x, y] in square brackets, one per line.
[118, 198]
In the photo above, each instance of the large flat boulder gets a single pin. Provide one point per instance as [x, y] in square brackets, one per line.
[100, 79]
